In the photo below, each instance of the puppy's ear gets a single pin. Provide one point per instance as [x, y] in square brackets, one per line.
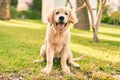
[72, 18]
[50, 17]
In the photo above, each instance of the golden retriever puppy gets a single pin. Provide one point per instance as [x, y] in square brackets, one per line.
[57, 39]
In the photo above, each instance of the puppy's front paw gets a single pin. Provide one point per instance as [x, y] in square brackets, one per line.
[46, 70]
[66, 70]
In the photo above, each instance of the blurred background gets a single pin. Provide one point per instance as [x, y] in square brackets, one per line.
[38, 9]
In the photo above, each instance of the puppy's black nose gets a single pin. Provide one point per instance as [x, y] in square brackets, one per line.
[61, 18]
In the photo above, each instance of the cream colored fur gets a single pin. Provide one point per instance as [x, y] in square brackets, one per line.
[57, 41]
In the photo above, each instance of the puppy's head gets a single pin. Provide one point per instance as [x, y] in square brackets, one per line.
[61, 17]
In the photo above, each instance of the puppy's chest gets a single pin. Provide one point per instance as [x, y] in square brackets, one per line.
[59, 41]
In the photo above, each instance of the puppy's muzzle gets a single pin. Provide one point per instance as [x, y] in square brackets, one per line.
[61, 24]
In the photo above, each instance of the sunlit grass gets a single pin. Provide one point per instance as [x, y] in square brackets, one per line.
[103, 50]
[20, 23]
[20, 41]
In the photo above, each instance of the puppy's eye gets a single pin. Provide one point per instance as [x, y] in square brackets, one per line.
[57, 12]
[66, 13]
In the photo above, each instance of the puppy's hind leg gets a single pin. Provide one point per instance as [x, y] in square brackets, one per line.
[70, 59]
[42, 54]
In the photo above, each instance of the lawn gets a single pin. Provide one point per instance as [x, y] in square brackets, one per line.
[20, 42]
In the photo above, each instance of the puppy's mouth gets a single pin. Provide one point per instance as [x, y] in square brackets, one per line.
[61, 25]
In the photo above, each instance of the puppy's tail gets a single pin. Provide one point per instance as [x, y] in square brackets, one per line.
[38, 61]
[80, 58]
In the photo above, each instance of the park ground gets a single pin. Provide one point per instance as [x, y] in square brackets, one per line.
[20, 41]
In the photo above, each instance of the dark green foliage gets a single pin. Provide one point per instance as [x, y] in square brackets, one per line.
[14, 12]
[14, 3]
[30, 14]
[107, 19]
[37, 5]
[110, 19]
[105, 16]
[34, 12]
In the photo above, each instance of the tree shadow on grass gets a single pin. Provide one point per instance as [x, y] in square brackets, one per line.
[105, 49]
[110, 34]
[89, 43]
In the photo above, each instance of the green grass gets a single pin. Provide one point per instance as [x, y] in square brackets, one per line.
[20, 41]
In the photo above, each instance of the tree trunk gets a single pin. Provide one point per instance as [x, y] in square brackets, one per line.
[0, 8]
[98, 19]
[95, 25]
[4, 9]
[68, 3]
[95, 31]
[82, 15]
